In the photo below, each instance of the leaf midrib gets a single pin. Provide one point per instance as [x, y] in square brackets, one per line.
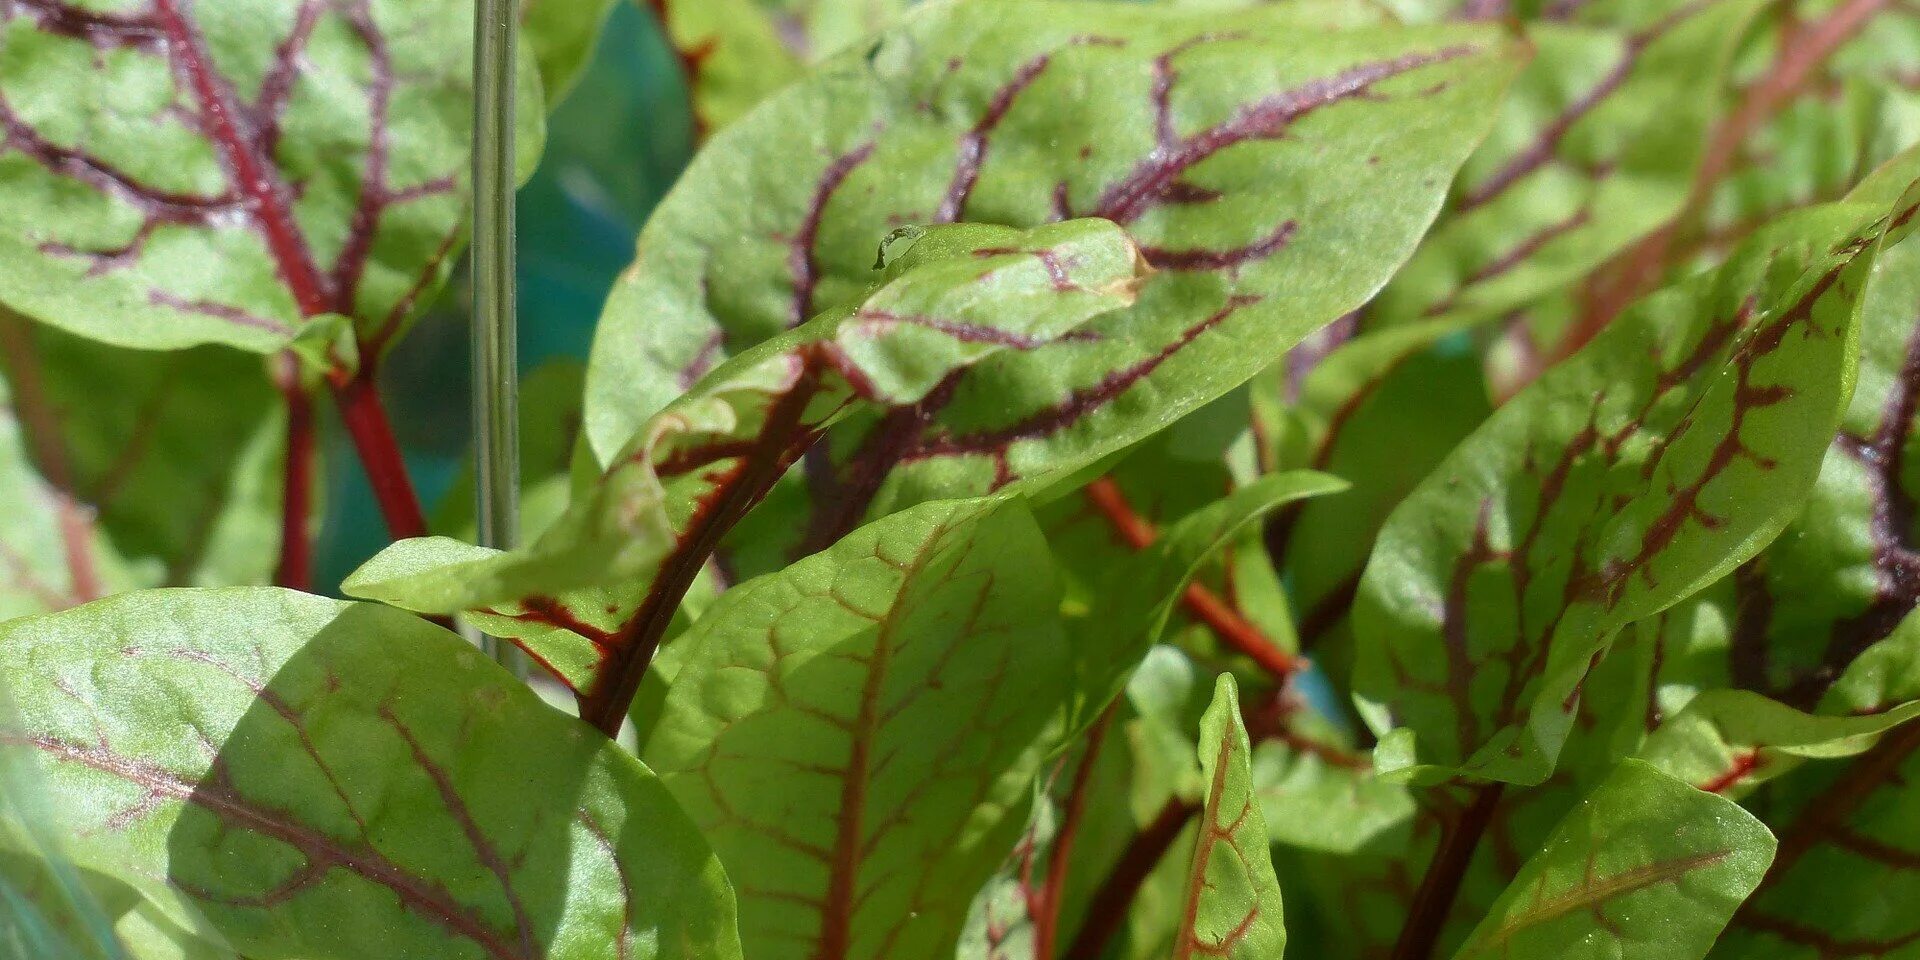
[836, 908]
[1593, 894]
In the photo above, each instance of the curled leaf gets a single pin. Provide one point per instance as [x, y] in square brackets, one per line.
[1846, 829]
[606, 579]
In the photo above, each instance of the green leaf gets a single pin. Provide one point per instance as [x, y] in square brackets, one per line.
[1646, 867]
[54, 556]
[1233, 899]
[1317, 794]
[1380, 412]
[605, 580]
[326, 780]
[180, 461]
[1649, 465]
[732, 54]
[1274, 182]
[1597, 147]
[561, 35]
[858, 733]
[1729, 740]
[47, 912]
[1838, 581]
[170, 476]
[187, 173]
[1847, 838]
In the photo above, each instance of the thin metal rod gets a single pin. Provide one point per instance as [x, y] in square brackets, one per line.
[496, 420]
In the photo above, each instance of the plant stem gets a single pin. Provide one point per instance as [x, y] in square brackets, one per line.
[295, 569]
[1205, 605]
[358, 399]
[1433, 902]
[1803, 50]
[1110, 903]
[496, 418]
[1046, 915]
[783, 438]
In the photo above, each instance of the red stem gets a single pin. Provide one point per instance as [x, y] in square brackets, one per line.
[269, 199]
[270, 203]
[358, 399]
[784, 437]
[1441, 886]
[1110, 903]
[296, 505]
[1046, 918]
[1205, 606]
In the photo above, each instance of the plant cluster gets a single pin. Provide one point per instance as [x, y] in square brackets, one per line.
[1057, 475]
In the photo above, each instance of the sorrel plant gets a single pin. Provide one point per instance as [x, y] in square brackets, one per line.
[1056, 475]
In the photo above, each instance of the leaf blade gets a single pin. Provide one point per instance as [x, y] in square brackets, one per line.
[1672, 864]
[181, 727]
[901, 794]
[1233, 898]
[1561, 520]
[1220, 206]
[314, 152]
